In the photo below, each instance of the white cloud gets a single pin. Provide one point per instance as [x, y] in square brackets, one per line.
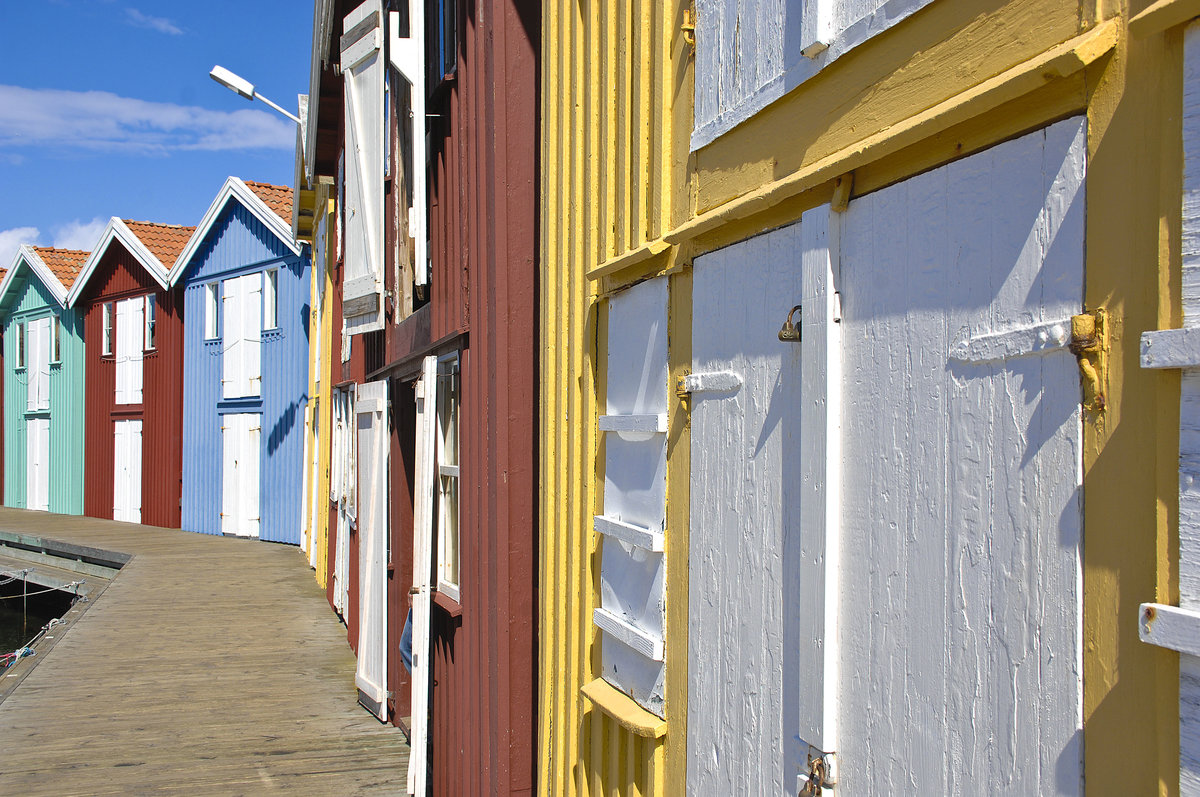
[160, 24]
[100, 120]
[79, 234]
[11, 240]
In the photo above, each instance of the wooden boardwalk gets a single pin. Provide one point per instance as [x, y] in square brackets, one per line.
[208, 666]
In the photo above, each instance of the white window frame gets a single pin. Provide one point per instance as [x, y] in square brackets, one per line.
[449, 404]
[212, 310]
[22, 336]
[148, 319]
[106, 333]
[56, 339]
[271, 299]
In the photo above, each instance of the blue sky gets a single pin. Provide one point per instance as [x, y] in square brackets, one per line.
[107, 109]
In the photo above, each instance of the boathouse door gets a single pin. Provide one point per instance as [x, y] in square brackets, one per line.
[905, 518]
[373, 445]
[127, 471]
[241, 435]
[422, 600]
[37, 467]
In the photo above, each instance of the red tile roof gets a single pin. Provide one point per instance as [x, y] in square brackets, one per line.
[165, 241]
[277, 197]
[64, 264]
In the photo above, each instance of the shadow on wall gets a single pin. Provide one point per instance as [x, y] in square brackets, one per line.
[279, 431]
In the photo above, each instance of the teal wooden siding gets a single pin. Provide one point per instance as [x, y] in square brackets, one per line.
[30, 300]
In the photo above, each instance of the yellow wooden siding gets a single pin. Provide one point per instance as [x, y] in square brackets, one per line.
[320, 390]
[623, 200]
[609, 160]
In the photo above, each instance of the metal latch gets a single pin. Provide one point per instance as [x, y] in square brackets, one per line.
[791, 332]
[1089, 343]
[819, 774]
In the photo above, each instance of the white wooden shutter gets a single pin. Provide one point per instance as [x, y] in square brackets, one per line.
[232, 338]
[408, 57]
[37, 366]
[137, 314]
[120, 469]
[252, 310]
[372, 431]
[423, 481]
[122, 353]
[363, 75]
[632, 600]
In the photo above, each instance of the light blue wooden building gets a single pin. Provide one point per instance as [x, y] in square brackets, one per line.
[43, 382]
[245, 371]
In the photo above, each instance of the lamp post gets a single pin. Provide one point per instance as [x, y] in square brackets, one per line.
[245, 88]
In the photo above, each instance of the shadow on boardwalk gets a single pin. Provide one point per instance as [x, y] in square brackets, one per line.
[209, 665]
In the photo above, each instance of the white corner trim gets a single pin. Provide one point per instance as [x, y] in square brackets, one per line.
[234, 188]
[644, 643]
[1170, 627]
[638, 536]
[1171, 348]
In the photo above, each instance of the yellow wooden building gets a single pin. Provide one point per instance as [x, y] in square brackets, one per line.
[900, 546]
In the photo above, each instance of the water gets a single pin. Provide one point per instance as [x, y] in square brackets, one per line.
[17, 627]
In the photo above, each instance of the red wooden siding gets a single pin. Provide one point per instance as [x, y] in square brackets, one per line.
[483, 233]
[117, 276]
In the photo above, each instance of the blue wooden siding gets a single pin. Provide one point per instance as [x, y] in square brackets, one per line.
[240, 244]
[30, 300]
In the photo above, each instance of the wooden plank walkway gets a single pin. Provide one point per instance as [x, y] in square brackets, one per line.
[209, 666]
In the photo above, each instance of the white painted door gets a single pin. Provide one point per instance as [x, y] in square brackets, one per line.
[743, 666]
[130, 341]
[885, 551]
[37, 464]
[423, 481]
[127, 471]
[241, 436]
[373, 442]
[959, 619]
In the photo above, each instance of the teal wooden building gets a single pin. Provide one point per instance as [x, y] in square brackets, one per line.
[43, 382]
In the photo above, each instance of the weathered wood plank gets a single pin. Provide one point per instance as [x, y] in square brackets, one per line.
[170, 682]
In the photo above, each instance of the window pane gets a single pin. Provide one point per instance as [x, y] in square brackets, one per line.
[107, 311]
[149, 316]
[449, 529]
[448, 399]
[56, 334]
[21, 345]
[210, 310]
[270, 293]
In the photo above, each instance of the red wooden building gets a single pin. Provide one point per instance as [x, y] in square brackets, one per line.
[448, 340]
[133, 403]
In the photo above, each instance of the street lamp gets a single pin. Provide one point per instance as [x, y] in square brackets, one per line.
[244, 87]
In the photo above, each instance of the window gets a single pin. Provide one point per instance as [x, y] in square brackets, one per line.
[447, 475]
[211, 307]
[107, 315]
[444, 42]
[270, 299]
[56, 340]
[21, 345]
[148, 343]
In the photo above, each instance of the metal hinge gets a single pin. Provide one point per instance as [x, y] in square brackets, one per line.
[688, 28]
[1089, 344]
[818, 774]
